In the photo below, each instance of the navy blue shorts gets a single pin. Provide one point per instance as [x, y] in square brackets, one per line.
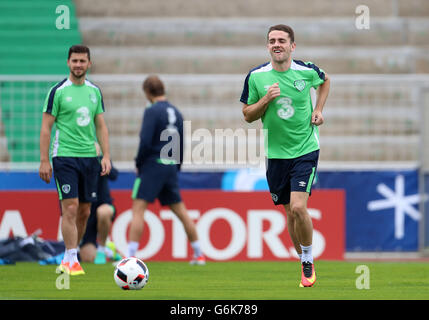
[90, 235]
[287, 175]
[157, 180]
[103, 197]
[76, 177]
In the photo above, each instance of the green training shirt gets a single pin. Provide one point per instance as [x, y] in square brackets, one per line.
[287, 120]
[74, 108]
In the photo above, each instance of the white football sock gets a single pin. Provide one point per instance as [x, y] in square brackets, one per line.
[65, 258]
[196, 247]
[70, 256]
[108, 252]
[307, 254]
[132, 248]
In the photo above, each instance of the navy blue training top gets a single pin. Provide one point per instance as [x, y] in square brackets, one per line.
[161, 135]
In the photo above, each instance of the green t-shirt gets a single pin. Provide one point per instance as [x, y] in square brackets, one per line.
[74, 108]
[287, 120]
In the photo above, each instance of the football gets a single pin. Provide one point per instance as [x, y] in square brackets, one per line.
[131, 274]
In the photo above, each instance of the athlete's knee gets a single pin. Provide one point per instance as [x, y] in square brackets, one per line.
[87, 258]
[87, 253]
[298, 210]
[69, 208]
[104, 212]
[84, 210]
[289, 214]
[139, 207]
[84, 215]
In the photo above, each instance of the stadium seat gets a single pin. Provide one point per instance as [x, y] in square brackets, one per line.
[30, 44]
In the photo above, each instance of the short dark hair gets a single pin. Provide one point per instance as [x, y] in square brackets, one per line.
[285, 28]
[154, 86]
[79, 48]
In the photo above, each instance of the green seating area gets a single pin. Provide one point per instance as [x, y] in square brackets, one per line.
[30, 44]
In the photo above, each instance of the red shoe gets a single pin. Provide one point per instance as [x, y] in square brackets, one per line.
[64, 267]
[199, 261]
[308, 275]
[76, 269]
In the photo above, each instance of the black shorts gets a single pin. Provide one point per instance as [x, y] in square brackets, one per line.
[76, 177]
[90, 235]
[156, 180]
[103, 197]
[287, 175]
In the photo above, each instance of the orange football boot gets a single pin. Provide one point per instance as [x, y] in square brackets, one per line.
[76, 269]
[64, 267]
[308, 275]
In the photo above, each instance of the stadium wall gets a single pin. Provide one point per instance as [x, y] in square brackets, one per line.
[352, 210]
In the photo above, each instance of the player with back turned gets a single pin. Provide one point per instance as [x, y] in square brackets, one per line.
[278, 93]
[158, 162]
[76, 107]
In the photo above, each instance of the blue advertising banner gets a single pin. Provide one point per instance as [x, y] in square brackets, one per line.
[12, 181]
[381, 205]
[426, 211]
[381, 208]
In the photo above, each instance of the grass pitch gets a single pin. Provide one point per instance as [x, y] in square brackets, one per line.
[336, 280]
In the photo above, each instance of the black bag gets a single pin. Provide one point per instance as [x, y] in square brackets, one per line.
[24, 249]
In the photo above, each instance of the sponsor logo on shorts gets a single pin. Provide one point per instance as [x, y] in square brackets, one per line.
[302, 183]
[274, 197]
[66, 188]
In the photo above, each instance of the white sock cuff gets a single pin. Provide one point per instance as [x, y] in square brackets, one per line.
[307, 254]
[132, 248]
[196, 247]
[70, 255]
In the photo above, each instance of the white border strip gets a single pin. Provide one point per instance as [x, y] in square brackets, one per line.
[323, 166]
[344, 79]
